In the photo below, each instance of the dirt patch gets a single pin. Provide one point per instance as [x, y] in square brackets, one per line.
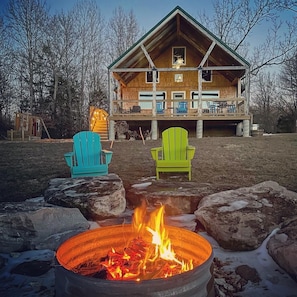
[222, 162]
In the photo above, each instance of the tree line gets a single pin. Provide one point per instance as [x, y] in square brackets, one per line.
[55, 65]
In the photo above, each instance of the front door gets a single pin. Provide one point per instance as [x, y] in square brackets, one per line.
[177, 97]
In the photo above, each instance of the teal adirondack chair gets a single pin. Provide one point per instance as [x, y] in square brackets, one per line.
[176, 154]
[182, 108]
[87, 157]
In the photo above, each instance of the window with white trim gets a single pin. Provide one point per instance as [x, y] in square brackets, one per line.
[146, 98]
[178, 55]
[205, 95]
[206, 75]
[149, 77]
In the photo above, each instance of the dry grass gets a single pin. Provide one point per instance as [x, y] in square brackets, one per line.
[226, 162]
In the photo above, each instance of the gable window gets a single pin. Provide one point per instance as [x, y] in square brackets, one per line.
[206, 75]
[149, 77]
[178, 56]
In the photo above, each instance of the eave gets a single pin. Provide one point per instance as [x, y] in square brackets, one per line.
[178, 27]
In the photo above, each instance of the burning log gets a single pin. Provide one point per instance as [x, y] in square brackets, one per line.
[79, 271]
[140, 259]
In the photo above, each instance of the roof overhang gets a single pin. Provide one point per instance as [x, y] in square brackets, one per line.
[178, 27]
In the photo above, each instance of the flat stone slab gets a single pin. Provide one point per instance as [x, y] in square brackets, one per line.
[179, 197]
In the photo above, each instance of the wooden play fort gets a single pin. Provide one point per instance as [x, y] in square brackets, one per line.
[27, 127]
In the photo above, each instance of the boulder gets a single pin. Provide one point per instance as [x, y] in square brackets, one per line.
[98, 197]
[282, 247]
[33, 225]
[241, 219]
[179, 197]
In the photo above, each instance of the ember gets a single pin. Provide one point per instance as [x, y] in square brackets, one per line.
[80, 270]
[149, 255]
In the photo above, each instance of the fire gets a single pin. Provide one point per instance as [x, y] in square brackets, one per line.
[143, 259]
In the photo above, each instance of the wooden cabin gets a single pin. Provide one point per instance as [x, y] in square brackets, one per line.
[180, 74]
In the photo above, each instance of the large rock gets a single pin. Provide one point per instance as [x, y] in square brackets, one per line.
[282, 247]
[37, 225]
[179, 197]
[96, 197]
[241, 219]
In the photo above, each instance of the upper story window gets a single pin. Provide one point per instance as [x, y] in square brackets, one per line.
[206, 75]
[149, 77]
[178, 56]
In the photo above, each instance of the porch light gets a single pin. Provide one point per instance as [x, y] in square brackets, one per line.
[179, 61]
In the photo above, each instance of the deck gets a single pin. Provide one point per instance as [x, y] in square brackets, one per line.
[220, 109]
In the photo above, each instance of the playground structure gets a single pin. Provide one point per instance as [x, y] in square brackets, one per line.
[27, 127]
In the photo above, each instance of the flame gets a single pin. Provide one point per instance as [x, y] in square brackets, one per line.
[142, 259]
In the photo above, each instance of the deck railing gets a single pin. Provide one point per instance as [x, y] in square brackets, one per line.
[189, 107]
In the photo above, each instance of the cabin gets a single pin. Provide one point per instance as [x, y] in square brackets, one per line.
[180, 74]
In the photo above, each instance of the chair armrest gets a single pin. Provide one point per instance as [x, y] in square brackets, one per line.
[190, 151]
[155, 152]
[107, 156]
[69, 159]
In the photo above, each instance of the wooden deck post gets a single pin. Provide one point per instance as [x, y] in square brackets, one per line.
[199, 129]
[154, 129]
[246, 128]
[111, 130]
[239, 129]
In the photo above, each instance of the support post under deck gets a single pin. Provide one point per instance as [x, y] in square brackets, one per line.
[199, 129]
[111, 130]
[154, 129]
[246, 128]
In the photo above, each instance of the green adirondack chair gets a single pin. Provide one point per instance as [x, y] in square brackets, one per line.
[176, 154]
[87, 157]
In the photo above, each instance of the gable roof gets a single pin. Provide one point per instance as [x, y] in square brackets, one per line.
[179, 28]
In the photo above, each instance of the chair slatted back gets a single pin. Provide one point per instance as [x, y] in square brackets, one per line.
[174, 143]
[182, 107]
[87, 148]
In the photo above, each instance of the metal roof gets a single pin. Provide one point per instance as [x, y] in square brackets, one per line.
[178, 28]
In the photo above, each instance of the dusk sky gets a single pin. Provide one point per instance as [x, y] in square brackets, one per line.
[149, 13]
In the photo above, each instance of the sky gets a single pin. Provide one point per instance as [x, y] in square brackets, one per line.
[147, 13]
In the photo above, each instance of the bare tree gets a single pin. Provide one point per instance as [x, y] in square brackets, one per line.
[123, 31]
[5, 73]
[60, 51]
[91, 53]
[288, 100]
[27, 20]
[265, 98]
[235, 21]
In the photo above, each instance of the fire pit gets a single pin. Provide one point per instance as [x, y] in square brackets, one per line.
[80, 261]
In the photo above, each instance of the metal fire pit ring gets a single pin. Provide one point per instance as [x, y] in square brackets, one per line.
[96, 243]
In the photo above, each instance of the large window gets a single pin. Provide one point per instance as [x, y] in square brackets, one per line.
[146, 98]
[205, 95]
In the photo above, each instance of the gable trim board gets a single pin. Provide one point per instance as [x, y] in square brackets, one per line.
[194, 22]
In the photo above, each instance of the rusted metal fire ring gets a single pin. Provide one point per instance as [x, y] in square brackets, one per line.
[97, 243]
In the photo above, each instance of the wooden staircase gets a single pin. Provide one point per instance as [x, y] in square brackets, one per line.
[101, 127]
